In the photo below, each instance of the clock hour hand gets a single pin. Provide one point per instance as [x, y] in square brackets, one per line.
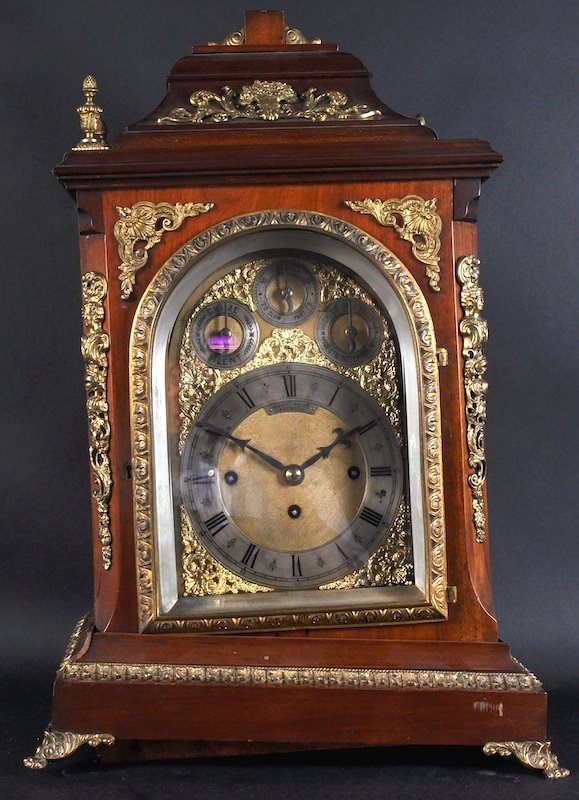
[324, 452]
[244, 445]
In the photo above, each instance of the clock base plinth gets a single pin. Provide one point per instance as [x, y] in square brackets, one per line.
[175, 696]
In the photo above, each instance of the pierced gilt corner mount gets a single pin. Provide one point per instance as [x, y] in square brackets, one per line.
[94, 348]
[474, 332]
[268, 101]
[415, 220]
[140, 227]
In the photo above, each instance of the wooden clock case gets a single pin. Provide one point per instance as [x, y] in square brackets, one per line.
[177, 694]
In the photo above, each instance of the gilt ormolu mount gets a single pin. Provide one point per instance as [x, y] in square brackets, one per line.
[286, 396]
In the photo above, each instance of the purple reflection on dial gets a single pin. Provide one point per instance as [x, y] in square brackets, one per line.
[223, 343]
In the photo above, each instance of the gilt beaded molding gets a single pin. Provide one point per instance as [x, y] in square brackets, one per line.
[318, 677]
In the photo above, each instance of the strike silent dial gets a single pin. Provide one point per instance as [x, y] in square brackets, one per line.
[349, 332]
[224, 334]
[285, 292]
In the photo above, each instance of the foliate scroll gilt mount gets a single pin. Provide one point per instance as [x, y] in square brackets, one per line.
[474, 332]
[60, 744]
[93, 127]
[140, 227]
[416, 221]
[536, 755]
[268, 101]
[94, 348]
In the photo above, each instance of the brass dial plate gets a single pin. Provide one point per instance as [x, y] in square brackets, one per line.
[292, 476]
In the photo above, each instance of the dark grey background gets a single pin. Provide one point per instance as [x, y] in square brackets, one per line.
[502, 71]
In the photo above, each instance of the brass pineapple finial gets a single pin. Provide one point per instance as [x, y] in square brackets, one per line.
[90, 119]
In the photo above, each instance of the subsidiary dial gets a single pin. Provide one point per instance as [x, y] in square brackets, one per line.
[349, 332]
[285, 292]
[224, 334]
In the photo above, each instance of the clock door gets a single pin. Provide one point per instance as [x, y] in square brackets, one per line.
[286, 433]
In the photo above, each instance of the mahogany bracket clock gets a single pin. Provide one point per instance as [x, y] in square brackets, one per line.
[286, 398]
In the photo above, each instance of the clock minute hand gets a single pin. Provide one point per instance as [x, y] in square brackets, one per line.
[324, 452]
[244, 445]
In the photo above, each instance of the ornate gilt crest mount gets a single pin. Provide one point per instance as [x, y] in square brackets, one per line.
[269, 101]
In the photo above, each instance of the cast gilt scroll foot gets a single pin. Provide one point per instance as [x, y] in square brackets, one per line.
[536, 755]
[60, 744]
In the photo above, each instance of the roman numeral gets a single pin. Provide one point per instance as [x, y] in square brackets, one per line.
[296, 566]
[380, 472]
[243, 395]
[250, 555]
[370, 516]
[290, 385]
[368, 426]
[216, 523]
[333, 397]
[344, 556]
